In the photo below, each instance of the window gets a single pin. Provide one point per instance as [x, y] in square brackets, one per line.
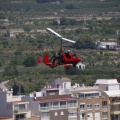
[56, 113]
[72, 114]
[20, 107]
[71, 103]
[90, 95]
[81, 96]
[104, 115]
[96, 95]
[82, 116]
[54, 105]
[43, 106]
[82, 106]
[90, 115]
[62, 104]
[104, 104]
[97, 106]
[89, 106]
[97, 116]
[43, 94]
[62, 113]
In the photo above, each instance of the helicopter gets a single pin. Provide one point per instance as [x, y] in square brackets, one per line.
[67, 59]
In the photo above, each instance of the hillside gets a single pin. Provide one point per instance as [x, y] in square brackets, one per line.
[23, 35]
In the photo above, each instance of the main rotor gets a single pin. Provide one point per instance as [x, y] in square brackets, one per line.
[60, 36]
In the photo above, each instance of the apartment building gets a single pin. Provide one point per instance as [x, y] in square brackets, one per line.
[92, 105]
[58, 108]
[13, 106]
[112, 88]
[59, 100]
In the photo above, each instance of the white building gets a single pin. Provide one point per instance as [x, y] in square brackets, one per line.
[13, 106]
[112, 89]
[106, 45]
[108, 84]
[63, 85]
[80, 66]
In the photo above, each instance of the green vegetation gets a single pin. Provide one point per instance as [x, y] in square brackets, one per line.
[23, 38]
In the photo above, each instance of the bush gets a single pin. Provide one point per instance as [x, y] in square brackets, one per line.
[30, 61]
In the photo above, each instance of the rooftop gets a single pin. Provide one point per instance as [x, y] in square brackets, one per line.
[21, 101]
[80, 89]
[55, 99]
[106, 81]
[114, 93]
[63, 79]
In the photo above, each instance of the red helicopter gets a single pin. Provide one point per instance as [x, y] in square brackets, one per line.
[67, 59]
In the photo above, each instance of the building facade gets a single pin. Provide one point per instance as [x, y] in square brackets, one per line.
[13, 106]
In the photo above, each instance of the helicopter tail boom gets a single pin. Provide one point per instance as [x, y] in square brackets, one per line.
[38, 60]
[46, 59]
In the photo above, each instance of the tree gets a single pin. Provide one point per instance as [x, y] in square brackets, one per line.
[5, 43]
[30, 61]
[18, 89]
[85, 43]
[15, 89]
[27, 28]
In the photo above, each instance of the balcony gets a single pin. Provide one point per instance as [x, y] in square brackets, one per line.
[115, 112]
[115, 109]
[72, 105]
[45, 118]
[21, 111]
[104, 107]
[116, 102]
[54, 107]
[62, 106]
[104, 117]
[82, 118]
[44, 108]
[82, 109]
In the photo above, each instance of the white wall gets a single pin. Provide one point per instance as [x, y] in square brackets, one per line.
[113, 87]
[28, 115]
[97, 115]
[66, 85]
[89, 116]
[9, 96]
[38, 94]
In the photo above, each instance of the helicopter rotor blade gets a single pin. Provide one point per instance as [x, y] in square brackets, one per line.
[52, 31]
[60, 36]
[68, 40]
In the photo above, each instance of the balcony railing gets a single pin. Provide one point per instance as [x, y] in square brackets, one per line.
[104, 116]
[44, 108]
[58, 107]
[82, 118]
[82, 108]
[54, 107]
[72, 116]
[45, 118]
[72, 105]
[62, 106]
[104, 107]
[21, 111]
